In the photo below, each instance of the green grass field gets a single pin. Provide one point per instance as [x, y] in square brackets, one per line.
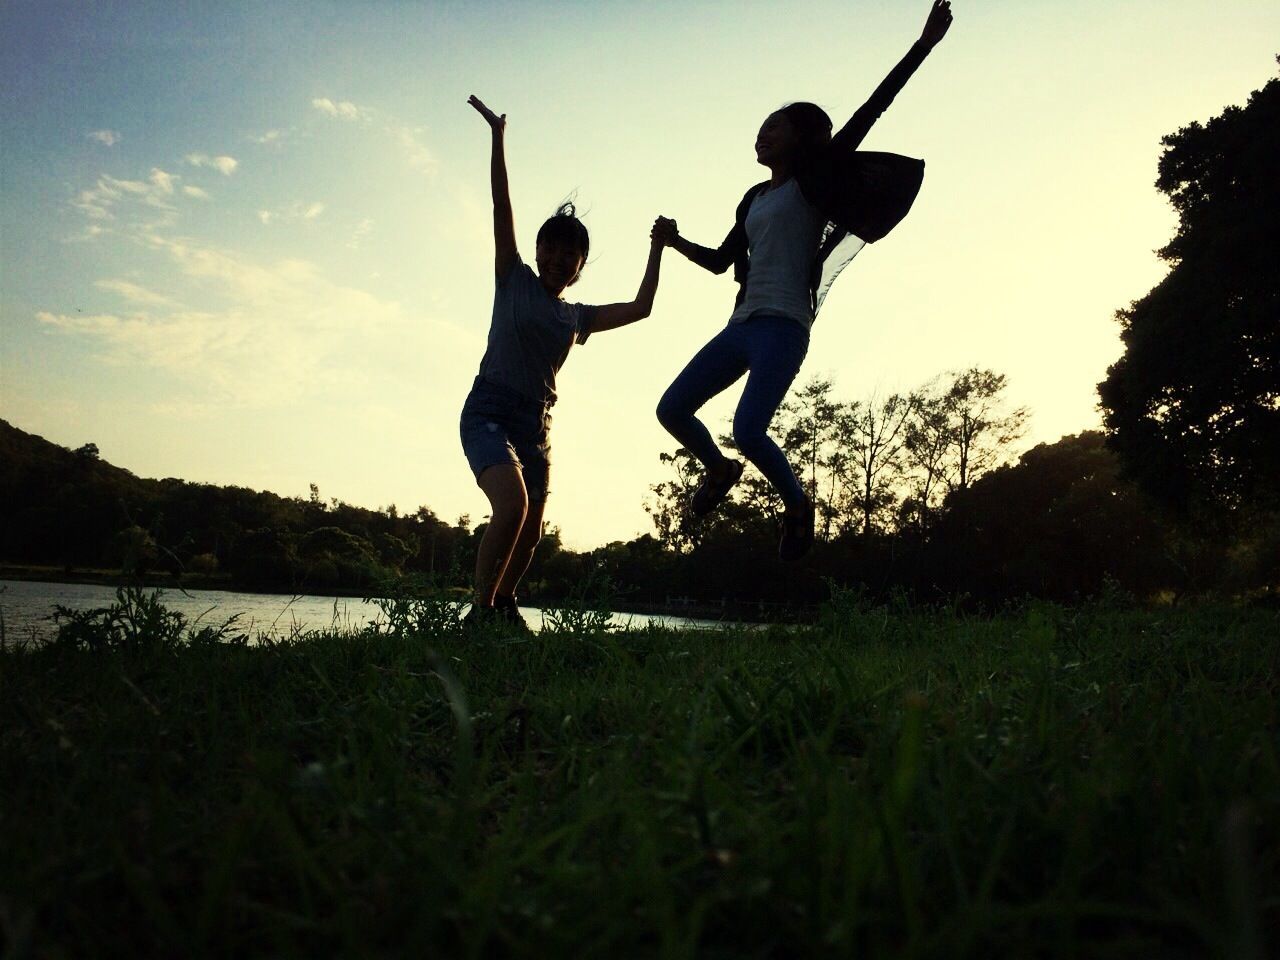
[1057, 782]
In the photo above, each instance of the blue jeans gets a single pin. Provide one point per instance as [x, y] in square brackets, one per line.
[771, 348]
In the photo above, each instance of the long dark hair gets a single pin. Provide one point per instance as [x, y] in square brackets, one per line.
[812, 126]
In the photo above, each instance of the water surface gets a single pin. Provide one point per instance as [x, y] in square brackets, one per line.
[25, 607]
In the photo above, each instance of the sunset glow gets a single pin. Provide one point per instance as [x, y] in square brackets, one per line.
[251, 244]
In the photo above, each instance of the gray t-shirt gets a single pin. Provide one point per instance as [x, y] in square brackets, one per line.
[531, 335]
[783, 233]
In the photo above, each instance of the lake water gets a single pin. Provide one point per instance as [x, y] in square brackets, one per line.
[25, 608]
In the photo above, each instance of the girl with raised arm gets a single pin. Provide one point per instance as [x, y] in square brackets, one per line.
[507, 416]
[792, 234]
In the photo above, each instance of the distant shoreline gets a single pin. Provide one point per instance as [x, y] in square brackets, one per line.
[151, 581]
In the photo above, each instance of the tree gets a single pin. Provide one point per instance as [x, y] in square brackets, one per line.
[958, 429]
[1060, 523]
[876, 434]
[669, 508]
[1193, 405]
[927, 440]
[393, 551]
[807, 423]
[982, 430]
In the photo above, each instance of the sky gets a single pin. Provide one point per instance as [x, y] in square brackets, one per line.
[251, 244]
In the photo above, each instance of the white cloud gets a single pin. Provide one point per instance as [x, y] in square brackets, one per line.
[272, 138]
[343, 109]
[135, 294]
[162, 181]
[280, 331]
[107, 138]
[85, 322]
[223, 164]
[293, 212]
[417, 153]
[135, 207]
[362, 230]
[408, 138]
[91, 232]
[96, 203]
[99, 202]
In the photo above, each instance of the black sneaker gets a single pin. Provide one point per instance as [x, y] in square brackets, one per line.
[710, 494]
[480, 618]
[797, 533]
[507, 610]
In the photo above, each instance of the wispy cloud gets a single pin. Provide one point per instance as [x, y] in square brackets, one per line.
[163, 182]
[343, 109]
[416, 152]
[408, 138]
[362, 230]
[108, 138]
[197, 192]
[291, 213]
[282, 330]
[135, 293]
[223, 164]
[99, 201]
[91, 232]
[272, 138]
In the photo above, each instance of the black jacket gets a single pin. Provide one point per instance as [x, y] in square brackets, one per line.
[863, 194]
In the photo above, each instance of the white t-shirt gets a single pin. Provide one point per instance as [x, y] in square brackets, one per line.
[783, 233]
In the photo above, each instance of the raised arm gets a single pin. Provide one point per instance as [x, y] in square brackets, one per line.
[613, 315]
[935, 28]
[717, 261]
[504, 229]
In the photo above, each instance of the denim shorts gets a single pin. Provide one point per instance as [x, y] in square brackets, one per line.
[501, 426]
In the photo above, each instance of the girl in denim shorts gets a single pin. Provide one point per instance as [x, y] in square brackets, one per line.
[506, 418]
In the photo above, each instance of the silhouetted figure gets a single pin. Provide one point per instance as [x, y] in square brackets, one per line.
[506, 419]
[791, 236]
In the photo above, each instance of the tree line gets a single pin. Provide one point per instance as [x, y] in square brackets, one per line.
[70, 509]
[872, 467]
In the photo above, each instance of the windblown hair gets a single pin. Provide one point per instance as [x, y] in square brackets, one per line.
[565, 227]
[812, 126]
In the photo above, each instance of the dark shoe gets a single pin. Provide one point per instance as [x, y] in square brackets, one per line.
[480, 618]
[709, 496]
[797, 533]
[507, 610]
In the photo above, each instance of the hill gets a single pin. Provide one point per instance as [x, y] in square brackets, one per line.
[72, 510]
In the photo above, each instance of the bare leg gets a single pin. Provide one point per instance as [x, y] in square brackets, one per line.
[522, 554]
[503, 484]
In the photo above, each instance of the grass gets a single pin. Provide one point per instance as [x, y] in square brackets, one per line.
[1056, 782]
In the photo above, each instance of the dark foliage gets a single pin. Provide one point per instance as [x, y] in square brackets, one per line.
[74, 510]
[1193, 406]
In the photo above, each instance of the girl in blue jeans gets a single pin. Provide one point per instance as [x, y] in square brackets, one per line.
[791, 236]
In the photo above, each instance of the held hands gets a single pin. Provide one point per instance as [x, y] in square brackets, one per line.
[935, 28]
[498, 123]
[664, 232]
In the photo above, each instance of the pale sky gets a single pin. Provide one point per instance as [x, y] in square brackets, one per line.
[251, 243]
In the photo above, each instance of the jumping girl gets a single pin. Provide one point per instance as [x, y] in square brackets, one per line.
[506, 417]
[792, 234]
